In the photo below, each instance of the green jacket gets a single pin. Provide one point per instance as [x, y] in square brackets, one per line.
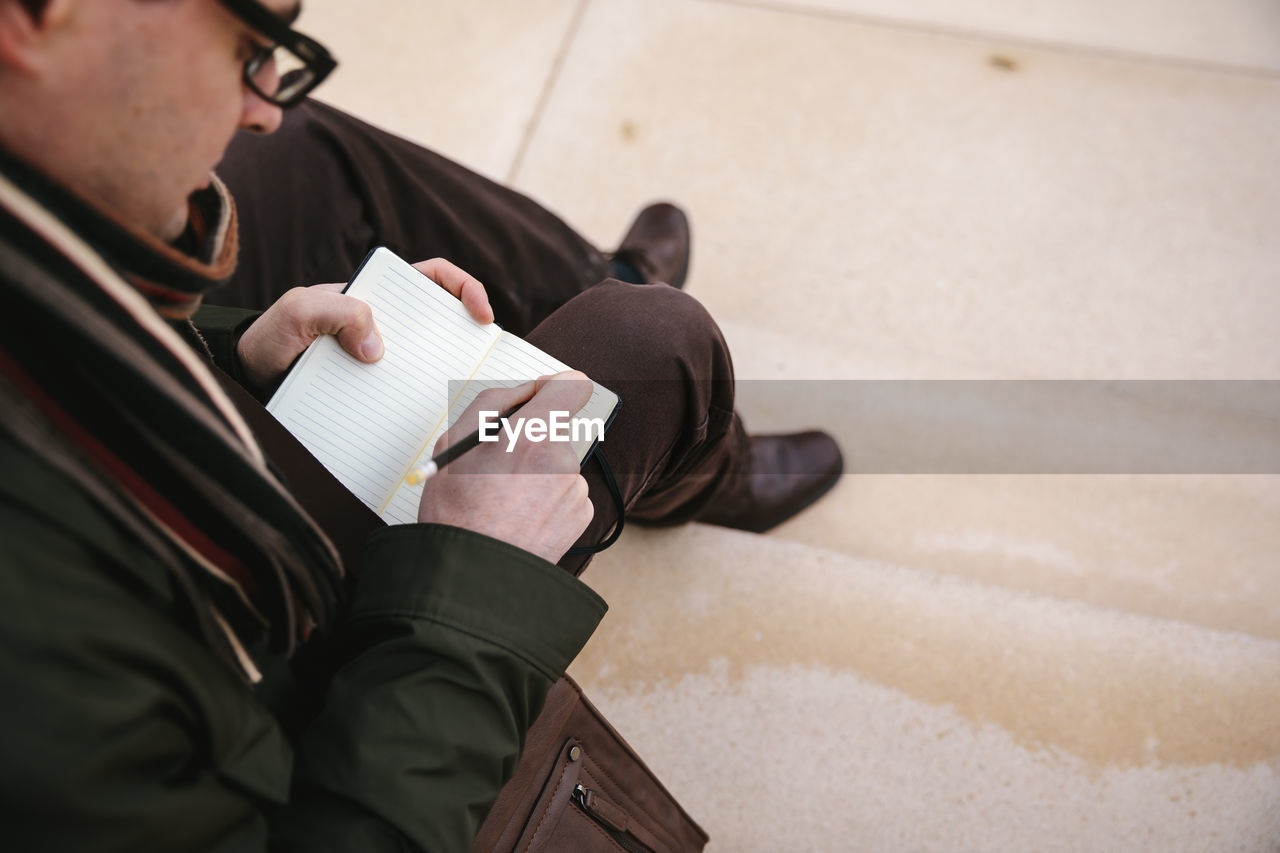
[122, 731]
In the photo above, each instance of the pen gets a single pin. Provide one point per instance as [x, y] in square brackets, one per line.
[421, 473]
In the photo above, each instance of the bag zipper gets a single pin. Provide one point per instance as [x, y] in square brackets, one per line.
[582, 797]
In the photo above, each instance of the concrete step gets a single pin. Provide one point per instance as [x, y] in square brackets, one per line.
[794, 698]
[1231, 33]
[1198, 548]
[928, 199]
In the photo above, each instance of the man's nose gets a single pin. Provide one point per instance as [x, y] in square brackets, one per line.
[259, 115]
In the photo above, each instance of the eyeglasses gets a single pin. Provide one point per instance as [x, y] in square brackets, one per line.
[287, 70]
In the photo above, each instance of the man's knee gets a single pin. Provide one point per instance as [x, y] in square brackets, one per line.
[640, 330]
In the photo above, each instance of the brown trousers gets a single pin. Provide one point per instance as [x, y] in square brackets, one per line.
[317, 195]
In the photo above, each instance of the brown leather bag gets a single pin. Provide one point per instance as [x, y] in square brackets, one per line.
[580, 788]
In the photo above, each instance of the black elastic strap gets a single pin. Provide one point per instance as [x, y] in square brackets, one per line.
[612, 483]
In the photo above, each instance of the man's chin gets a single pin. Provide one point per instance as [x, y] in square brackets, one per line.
[176, 225]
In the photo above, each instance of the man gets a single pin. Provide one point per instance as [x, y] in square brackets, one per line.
[157, 576]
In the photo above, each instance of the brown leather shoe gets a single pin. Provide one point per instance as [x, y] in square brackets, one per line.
[657, 246]
[786, 473]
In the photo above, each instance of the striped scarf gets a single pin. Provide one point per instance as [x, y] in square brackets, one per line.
[98, 376]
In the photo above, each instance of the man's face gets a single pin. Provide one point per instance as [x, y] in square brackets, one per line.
[149, 93]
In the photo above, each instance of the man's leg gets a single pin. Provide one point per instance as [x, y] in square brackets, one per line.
[677, 448]
[317, 194]
[325, 188]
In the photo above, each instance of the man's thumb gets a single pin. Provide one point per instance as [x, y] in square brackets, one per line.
[372, 348]
[356, 330]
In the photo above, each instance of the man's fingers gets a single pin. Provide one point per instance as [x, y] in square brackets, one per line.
[326, 312]
[489, 400]
[461, 284]
[564, 392]
[301, 315]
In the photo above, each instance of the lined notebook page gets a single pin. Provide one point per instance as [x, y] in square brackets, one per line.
[510, 362]
[368, 423]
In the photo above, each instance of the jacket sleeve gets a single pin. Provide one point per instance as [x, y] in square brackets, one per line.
[452, 643]
[221, 329]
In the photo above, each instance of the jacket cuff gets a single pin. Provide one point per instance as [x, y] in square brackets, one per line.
[221, 329]
[481, 586]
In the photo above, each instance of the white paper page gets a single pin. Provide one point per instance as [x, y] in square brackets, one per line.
[367, 423]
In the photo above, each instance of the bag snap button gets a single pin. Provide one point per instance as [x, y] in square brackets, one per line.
[575, 752]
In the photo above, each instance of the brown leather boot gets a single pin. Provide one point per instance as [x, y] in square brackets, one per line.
[657, 247]
[785, 474]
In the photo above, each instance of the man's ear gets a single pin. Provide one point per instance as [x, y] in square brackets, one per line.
[23, 35]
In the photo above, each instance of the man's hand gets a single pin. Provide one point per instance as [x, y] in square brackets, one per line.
[533, 497]
[301, 315]
[461, 284]
[297, 318]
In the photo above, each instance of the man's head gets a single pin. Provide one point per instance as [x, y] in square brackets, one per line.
[132, 102]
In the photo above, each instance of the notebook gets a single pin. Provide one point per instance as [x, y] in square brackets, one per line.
[371, 424]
